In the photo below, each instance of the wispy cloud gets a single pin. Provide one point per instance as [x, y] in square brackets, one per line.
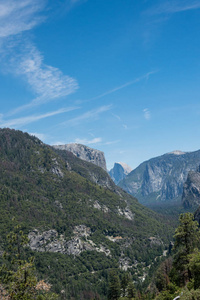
[47, 82]
[146, 76]
[95, 141]
[117, 117]
[174, 6]
[40, 136]
[90, 115]
[112, 142]
[19, 122]
[22, 58]
[77, 1]
[88, 142]
[147, 114]
[17, 16]
[120, 120]
[125, 126]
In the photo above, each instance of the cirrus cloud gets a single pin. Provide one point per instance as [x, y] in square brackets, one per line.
[47, 82]
[20, 57]
[19, 122]
[17, 16]
[88, 142]
[174, 6]
[147, 114]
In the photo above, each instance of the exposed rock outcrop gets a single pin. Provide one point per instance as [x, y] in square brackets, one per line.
[155, 241]
[46, 241]
[191, 190]
[50, 241]
[119, 172]
[161, 178]
[126, 213]
[86, 153]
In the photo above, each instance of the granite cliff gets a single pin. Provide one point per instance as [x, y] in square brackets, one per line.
[161, 178]
[191, 190]
[119, 172]
[86, 153]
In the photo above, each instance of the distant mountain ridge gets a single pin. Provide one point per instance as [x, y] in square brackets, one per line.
[86, 153]
[119, 172]
[161, 178]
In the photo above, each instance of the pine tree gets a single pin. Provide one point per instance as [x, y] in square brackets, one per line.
[186, 239]
[131, 291]
[17, 274]
[194, 266]
[114, 286]
[124, 283]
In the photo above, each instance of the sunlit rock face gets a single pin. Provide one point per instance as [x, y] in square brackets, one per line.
[191, 189]
[119, 172]
[86, 153]
[161, 178]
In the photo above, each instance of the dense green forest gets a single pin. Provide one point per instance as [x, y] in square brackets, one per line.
[83, 229]
[178, 274]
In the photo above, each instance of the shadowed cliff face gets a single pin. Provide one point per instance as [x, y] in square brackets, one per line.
[86, 153]
[119, 172]
[161, 178]
[191, 190]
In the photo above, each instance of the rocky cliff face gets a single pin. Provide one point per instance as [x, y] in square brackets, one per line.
[119, 172]
[86, 153]
[50, 241]
[161, 178]
[86, 169]
[191, 190]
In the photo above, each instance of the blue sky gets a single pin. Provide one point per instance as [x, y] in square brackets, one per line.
[121, 76]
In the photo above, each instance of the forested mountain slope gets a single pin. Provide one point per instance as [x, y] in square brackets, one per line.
[80, 225]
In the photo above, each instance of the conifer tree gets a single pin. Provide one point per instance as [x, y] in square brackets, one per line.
[114, 286]
[124, 283]
[131, 291]
[17, 274]
[186, 239]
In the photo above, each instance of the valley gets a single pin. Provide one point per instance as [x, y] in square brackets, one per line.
[80, 224]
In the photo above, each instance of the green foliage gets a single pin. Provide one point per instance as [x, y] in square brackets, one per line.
[131, 290]
[190, 295]
[186, 239]
[124, 283]
[17, 275]
[187, 233]
[114, 286]
[194, 267]
[182, 278]
[162, 274]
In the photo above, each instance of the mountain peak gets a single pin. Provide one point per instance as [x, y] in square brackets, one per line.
[119, 171]
[177, 152]
[85, 153]
[126, 167]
